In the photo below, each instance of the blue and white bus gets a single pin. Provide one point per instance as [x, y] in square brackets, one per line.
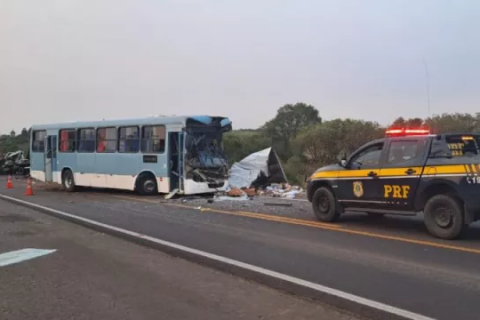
[148, 155]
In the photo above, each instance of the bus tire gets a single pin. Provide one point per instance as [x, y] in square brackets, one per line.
[147, 184]
[68, 181]
[324, 205]
[443, 217]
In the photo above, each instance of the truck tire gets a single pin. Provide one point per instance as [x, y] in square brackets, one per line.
[324, 205]
[443, 217]
[68, 181]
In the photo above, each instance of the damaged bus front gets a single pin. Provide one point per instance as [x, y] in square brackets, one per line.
[206, 167]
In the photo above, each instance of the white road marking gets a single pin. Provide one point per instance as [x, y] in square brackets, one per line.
[273, 274]
[17, 256]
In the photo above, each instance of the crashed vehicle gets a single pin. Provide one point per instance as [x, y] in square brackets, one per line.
[257, 170]
[14, 163]
[205, 159]
[152, 155]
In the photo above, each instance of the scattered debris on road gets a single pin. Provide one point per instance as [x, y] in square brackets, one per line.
[257, 170]
[259, 174]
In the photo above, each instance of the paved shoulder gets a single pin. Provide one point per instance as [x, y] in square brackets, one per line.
[95, 276]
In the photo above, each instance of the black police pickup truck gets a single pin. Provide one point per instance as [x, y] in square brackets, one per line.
[407, 172]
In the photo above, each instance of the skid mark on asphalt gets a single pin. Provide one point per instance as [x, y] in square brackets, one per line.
[323, 226]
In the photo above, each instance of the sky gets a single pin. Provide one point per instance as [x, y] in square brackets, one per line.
[109, 59]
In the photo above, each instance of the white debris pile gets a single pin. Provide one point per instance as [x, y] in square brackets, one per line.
[283, 191]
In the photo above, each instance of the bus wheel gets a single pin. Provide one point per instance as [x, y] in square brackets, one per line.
[443, 217]
[147, 185]
[324, 207]
[68, 181]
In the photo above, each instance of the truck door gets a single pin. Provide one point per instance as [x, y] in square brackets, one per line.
[358, 186]
[401, 172]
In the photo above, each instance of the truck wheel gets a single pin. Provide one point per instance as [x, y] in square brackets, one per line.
[68, 181]
[324, 206]
[443, 217]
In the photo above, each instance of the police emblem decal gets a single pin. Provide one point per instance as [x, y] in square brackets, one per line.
[358, 189]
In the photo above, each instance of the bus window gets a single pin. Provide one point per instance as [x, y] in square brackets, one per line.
[86, 140]
[153, 139]
[38, 141]
[106, 140]
[128, 141]
[67, 140]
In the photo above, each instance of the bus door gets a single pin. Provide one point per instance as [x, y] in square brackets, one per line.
[175, 160]
[50, 154]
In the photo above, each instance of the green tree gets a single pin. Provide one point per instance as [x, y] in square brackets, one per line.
[454, 123]
[24, 133]
[240, 143]
[401, 122]
[287, 124]
[327, 142]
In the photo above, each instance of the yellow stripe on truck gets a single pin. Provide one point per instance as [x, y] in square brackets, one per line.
[363, 173]
[451, 169]
[399, 171]
[343, 173]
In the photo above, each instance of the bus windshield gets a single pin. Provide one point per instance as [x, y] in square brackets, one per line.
[205, 159]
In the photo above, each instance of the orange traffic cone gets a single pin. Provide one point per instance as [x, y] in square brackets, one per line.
[29, 191]
[9, 182]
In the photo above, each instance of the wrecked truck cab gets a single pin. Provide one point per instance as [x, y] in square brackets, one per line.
[206, 166]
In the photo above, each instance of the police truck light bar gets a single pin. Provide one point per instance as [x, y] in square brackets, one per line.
[406, 132]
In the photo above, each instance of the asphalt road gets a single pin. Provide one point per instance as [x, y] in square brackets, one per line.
[392, 261]
[96, 276]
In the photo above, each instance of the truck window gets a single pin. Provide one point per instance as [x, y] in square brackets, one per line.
[461, 145]
[405, 150]
[369, 157]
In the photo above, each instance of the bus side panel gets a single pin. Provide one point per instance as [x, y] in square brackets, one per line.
[105, 169]
[66, 160]
[126, 169]
[85, 175]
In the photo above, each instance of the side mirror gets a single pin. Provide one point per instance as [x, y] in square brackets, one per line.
[343, 163]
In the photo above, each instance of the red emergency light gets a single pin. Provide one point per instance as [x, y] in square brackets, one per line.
[406, 132]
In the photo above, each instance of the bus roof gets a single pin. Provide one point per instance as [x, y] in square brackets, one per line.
[125, 122]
